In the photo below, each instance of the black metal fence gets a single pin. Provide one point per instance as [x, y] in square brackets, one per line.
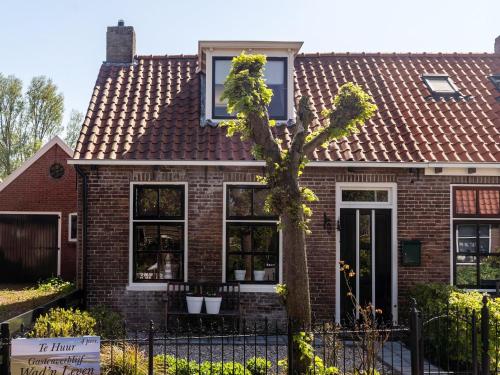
[447, 342]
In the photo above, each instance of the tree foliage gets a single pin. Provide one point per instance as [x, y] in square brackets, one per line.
[27, 120]
[73, 128]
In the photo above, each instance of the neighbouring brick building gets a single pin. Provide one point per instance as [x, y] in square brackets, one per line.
[165, 195]
[38, 217]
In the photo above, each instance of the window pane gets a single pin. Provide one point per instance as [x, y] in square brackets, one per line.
[358, 195]
[74, 221]
[170, 202]
[465, 202]
[466, 230]
[158, 266]
[240, 238]
[466, 271]
[440, 85]
[484, 245]
[264, 268]
[171, 237]
[466, 245]
[147, 202]
[222, 68]
[259, 200]
[239, 268]
[146, 238]
[275, 78]
[484, 230]
[265, 238]
[489, 271]
[240, 202]
[489, 202]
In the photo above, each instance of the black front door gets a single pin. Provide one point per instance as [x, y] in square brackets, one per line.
[365, 245]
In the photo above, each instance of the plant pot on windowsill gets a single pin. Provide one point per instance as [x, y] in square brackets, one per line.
[212, 303]
[194, 303]
[239, 275]
[258, 275]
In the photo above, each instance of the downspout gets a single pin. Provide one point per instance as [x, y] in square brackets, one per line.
[84, 231]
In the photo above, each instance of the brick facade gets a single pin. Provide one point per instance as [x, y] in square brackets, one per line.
[423, 213]
[36, 191]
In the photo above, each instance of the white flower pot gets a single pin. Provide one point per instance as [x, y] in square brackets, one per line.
[194, 304]
[212, 304]
[259, 275]
[239, 274]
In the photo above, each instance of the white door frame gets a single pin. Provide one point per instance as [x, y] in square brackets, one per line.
[391, 188]
[59, 220]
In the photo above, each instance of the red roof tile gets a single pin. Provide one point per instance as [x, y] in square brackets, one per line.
[151, 110]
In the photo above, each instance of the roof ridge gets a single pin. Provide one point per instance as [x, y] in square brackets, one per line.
[160, 57]
[392, 54]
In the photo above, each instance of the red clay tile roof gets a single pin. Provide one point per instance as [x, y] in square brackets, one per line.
[151, 110]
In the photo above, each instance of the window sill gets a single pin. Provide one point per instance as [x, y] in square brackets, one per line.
[147, 287]
[258, 288]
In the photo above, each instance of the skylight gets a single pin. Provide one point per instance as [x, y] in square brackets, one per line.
[440, 84]
[495, 78]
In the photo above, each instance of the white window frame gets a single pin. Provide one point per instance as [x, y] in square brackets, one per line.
[289, 55]
[71, 239]
[250, 288]
[391, 204]
[161, 286]
[463, 219]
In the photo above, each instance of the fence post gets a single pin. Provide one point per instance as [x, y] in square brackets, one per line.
[416, 340]
[151, 347]
[290, 346]
[5, 349]
[474, 343]
[485, 339]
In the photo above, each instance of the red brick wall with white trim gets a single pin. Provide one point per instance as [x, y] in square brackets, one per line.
[35, 190]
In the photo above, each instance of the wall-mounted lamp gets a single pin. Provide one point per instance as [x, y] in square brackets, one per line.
[327, 223]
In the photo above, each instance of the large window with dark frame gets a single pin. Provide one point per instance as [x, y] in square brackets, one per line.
[476, 226]
[275, 74]
[252, 237]
[158, 233]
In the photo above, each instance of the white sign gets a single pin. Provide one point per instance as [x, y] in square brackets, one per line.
[56, 356]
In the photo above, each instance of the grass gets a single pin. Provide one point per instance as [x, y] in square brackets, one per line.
[17, 299]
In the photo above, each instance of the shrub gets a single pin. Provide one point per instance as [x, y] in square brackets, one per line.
[169, 365]
[258, 366]
[59, 322]
[452, 330]
[109, 324]
[123, 360]
[54, 284]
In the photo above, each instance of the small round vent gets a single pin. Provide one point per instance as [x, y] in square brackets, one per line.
[56, 170]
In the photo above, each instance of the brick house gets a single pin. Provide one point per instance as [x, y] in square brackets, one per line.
[165, 195]
[38, 217]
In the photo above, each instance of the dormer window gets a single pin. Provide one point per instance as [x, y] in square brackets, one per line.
[440, 84]
[275, 75]
[214, 59]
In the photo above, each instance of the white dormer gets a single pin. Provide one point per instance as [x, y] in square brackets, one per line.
[215, 61]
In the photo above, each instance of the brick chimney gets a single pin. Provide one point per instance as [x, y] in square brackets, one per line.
[497, 45]
[120, 43]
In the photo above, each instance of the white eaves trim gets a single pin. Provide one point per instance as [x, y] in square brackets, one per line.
[28, 163]
[257, 163]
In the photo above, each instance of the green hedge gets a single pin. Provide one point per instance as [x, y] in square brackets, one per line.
[447, 313]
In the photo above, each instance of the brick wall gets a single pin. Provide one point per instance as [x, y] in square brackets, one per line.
[423, 213]
[35, 190]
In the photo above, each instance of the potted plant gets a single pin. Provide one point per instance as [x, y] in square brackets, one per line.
[194, 301]
[212, 302]
[258, 270]
[239, 270]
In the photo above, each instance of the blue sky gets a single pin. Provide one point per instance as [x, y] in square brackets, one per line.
[65, 40]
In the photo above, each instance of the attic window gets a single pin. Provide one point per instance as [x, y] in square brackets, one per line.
[275, 75]
[495, 78]
[440, 84]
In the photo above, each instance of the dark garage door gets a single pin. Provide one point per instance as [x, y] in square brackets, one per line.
[28, 247]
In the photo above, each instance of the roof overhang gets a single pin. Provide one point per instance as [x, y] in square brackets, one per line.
[28, 163]
[244, 45]
[258, 163]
